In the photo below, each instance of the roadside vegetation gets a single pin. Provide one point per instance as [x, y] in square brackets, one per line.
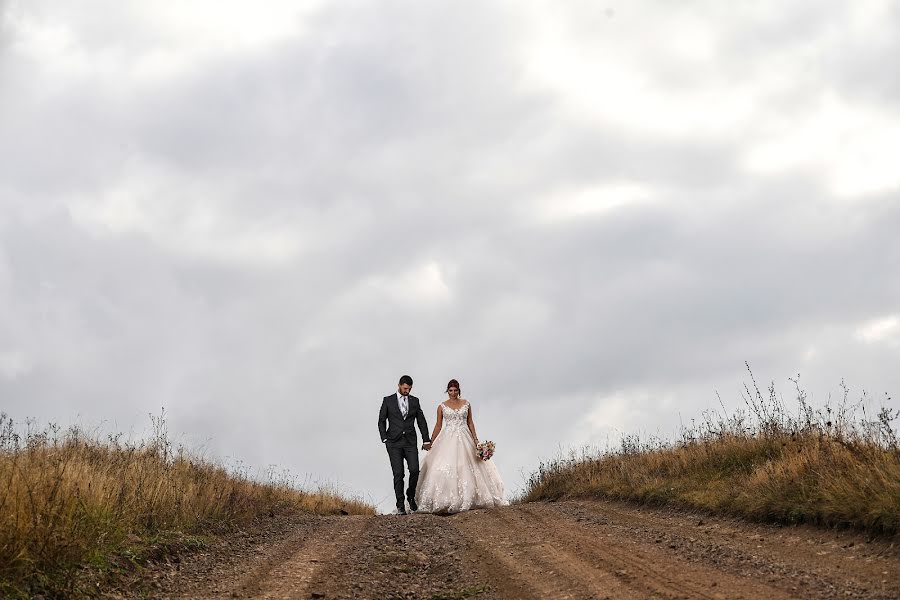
[832, 466]
[72, 503]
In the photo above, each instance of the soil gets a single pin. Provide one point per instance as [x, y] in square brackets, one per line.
[573, 549]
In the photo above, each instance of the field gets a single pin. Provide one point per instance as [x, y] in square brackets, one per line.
[829, 466]
[76, 510]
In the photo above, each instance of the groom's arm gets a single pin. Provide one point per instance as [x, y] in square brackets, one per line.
[423, 426]
[382, 418]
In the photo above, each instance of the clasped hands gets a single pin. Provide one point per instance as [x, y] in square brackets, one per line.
[426, 446]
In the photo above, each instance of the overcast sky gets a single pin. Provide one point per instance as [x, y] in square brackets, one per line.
[590, 213]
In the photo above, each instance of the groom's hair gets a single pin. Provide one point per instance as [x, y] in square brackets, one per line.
[406, 379]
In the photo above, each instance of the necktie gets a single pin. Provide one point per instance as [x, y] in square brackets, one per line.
[404, 405]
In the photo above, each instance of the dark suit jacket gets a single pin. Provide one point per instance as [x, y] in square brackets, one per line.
[396, 430]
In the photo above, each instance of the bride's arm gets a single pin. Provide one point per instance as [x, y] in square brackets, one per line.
[471, 423]
[437, 424]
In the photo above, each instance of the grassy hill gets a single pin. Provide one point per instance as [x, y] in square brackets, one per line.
[834, 467]
[69, 501]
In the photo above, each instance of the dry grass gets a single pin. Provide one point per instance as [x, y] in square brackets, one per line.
[824, 466]
[70, 501]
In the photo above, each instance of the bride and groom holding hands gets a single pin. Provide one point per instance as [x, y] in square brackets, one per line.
[452, 477]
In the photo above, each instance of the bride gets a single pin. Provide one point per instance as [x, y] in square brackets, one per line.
[452, 477]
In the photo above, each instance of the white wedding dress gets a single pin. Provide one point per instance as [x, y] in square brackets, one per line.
[452, 478]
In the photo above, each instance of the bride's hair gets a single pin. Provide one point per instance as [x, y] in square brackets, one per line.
[453, 383]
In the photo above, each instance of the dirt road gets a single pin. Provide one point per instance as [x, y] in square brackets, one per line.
[554, 550]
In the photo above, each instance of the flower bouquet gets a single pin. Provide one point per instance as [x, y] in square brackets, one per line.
[485, 450]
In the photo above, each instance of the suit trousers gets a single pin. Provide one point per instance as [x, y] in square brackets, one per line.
[411, 455]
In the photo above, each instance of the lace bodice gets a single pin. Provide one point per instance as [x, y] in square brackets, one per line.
[455, 421]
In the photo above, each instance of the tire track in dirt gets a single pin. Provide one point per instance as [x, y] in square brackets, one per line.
[562, 559]
[228, 563]
[801, 560]
[520, 564]
[291, 572]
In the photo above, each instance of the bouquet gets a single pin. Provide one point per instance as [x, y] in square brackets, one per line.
[485, 450]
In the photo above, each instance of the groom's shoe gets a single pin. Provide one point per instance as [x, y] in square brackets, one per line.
[401, 510]
[412, 505]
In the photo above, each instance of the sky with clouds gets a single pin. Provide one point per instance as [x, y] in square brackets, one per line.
[590, 213]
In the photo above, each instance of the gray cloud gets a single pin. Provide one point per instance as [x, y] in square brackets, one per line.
[254, 236]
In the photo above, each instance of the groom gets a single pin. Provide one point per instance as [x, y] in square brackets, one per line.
[400, 410]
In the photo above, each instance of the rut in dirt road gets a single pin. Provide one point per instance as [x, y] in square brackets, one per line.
[576, 550]
[546, 555]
